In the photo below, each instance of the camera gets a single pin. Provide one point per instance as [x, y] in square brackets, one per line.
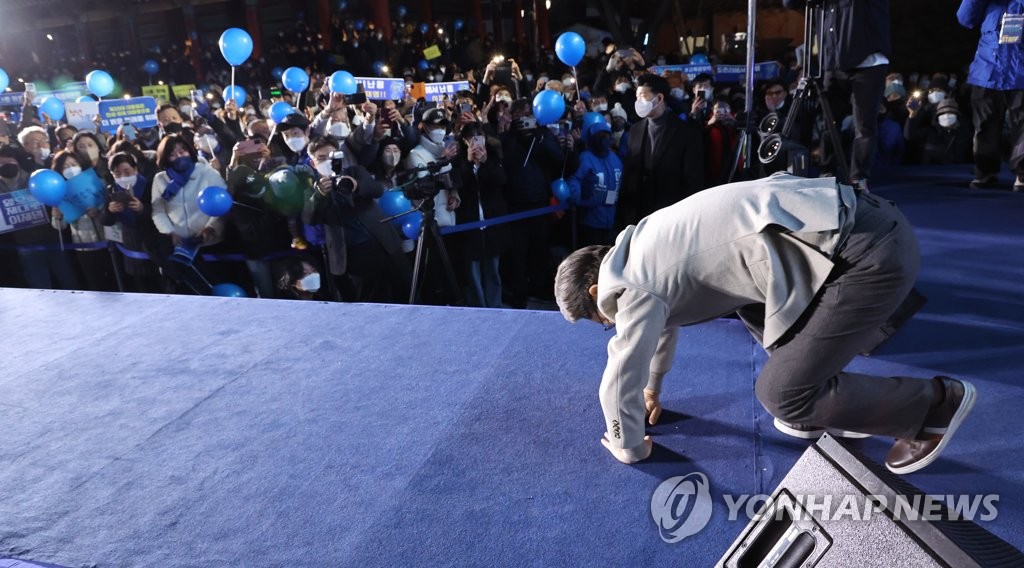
[342, 183]
[439, 176]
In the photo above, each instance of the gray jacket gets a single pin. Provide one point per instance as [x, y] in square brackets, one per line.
[767, 241]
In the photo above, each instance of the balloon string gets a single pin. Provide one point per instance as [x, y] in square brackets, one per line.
[232, 81]
[576, 80]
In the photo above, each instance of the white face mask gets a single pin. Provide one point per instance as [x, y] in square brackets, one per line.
[643, 108]
[310, 283]
[324, 168]
[340, 130]
[677, 93]
[390, 159]
[621, 87]
[947, 120]
[71, 171]
[503, 98]
[936, 97]
[186, 110]
[296, 144]
[600, 107]
[126, 182]
[436, 135]
[44, 153]
[780, 104]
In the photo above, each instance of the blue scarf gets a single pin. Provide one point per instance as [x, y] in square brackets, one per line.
[178, 181]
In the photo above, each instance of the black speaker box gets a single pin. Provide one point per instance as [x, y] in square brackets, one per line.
[888, 522]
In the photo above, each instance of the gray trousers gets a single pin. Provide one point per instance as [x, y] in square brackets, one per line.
[803, 381]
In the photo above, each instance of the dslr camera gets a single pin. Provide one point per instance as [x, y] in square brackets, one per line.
[439, 176]
[341, 182]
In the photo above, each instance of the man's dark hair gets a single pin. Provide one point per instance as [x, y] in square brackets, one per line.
[122, 158]
[703, 78]
[163, 151]
[576, 274]
[319, 142]
[656, 83]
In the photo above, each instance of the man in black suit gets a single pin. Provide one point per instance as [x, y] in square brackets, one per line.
[856, 60]
[664, 161]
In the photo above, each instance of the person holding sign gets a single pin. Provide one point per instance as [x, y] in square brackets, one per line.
[86, 228]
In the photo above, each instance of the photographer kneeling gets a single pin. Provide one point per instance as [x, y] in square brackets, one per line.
[364, 255]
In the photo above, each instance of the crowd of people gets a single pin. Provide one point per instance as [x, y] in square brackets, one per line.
[307, 221]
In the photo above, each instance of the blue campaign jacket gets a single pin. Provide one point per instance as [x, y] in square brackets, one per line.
[995, 66]
[592, 182]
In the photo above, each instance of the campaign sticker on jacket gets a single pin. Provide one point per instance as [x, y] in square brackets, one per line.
[139, 111]
[19, 210]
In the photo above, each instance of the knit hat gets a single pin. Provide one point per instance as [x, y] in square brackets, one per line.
[947, 105]
[895, 88]
[618, 111]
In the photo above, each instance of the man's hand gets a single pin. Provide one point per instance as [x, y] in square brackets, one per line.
[325, 185]
[626, 456]
[454, 200]
[652, 406]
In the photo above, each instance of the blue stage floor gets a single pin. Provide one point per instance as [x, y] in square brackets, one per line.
[145, 430]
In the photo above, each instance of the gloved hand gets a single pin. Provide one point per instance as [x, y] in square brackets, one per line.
[652, 406]
[629, 456]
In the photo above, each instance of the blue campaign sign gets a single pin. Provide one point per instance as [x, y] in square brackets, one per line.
[140, 111]
[436, 92]
[85, 191]
[17, 99]
[19, 210]
[724, 73]
[378, 89]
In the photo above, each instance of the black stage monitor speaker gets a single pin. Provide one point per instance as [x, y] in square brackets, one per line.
[838, 509]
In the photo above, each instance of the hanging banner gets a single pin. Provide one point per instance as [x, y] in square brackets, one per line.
[724, 73]
[17, 99]
[377, 89]
[436, 92]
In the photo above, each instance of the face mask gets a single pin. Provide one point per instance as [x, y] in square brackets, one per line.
[677, 94]
[600, 107]
[390, 159]
[936, 97]
[310, 283]
[528, 76]
[296, 144]
[952, 83]
[643, 108]
[601, 145]
[182, 164]
[618, 125]
[9, 171]
[71, 171]
[93, 153]
[340, 130]
[924, 84]
[621, 87]
[780, 104]
[208, 143]
[44, 153]
[324, 168]
[186, 110]
[436, 135]
[947, 120]
[430, 78]
[503, 98]
[126, 182]
[543, 79]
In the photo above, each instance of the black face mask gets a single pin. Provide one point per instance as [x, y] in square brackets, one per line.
[9, 171]
[173, 128]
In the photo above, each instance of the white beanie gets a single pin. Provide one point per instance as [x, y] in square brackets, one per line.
[618, 111]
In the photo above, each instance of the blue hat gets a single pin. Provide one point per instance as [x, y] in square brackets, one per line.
[594, 128]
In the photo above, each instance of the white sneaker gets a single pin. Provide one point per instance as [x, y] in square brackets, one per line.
[814, 432]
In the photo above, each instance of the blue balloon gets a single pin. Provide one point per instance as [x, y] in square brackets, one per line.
[100, 83]
[411, 225]
[48, 187]
[53, 107]
[378, 67]
[570, 48]
[237, 93]
[342, 5]
[151, 67]
[423, 65]
[592, 118]
[295, 79]
[360, 24]
[229, 290]
[699, 59]
[393, 203]
[85, 99]
[280, 110]
[548, 107]
[402, 11]
[343, 82]
[4, 80]
[424, 27]
[458, 24]
[561, 190]
[215, 201]
[276, 73]
[235, 46]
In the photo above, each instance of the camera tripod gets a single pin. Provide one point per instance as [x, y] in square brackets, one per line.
[810, 88]
[430, 230]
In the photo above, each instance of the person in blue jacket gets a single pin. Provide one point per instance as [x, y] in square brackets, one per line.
[997, 86]
[596, 182]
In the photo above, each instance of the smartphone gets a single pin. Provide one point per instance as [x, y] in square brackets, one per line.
[30, 87]
[196, 95]
[465, 107]
[129, 132]
[563, 128]
[355, 99]
[246, 147]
